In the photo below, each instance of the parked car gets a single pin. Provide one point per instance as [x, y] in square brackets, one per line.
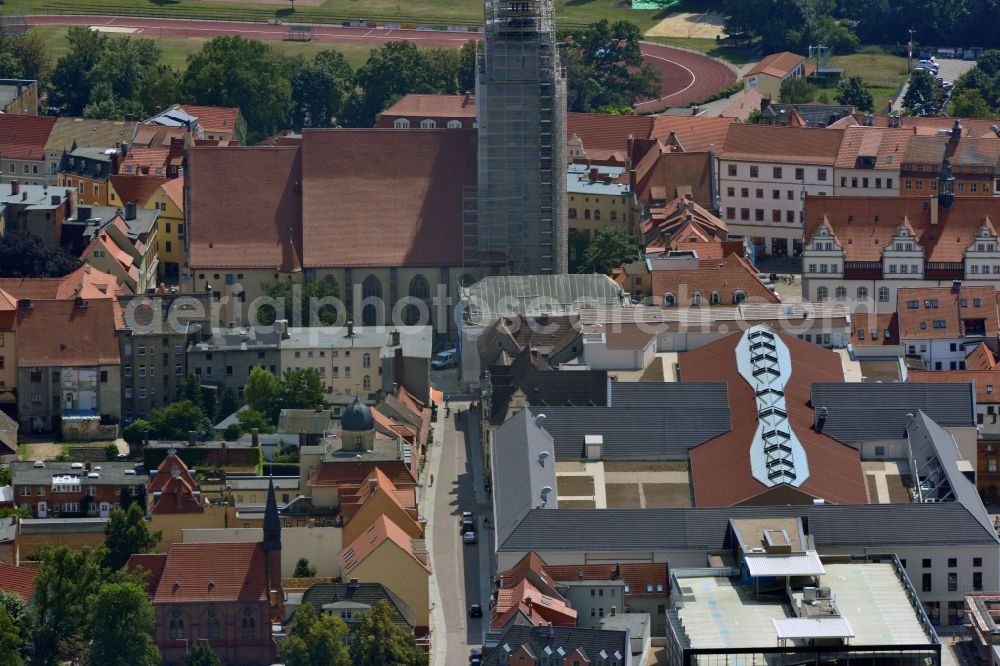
[475, 656]
[467, 522]
[475, 610]
[470, 537]
[444, 359]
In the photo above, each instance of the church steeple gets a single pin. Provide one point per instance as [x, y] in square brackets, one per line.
[272, 522]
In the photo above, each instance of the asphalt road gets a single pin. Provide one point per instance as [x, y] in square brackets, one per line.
[461, 572]
[686, 76]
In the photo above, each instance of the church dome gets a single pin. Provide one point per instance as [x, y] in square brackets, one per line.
[357, 417]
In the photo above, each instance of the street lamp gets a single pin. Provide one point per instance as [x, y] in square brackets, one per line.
[909, 53]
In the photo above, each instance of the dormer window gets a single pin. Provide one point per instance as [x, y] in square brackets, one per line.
[669, 300]
[696, 298]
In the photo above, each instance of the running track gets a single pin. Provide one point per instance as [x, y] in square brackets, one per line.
[686, 76]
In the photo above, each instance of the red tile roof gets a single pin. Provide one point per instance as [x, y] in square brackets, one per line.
[382, 531]
[240, 226]
[177, 496]
[743, 106]
[981, 358]
[776, 64]
[166, 470]
[600, 132]
[725, 276]
[213, 119]
[766, 143]
[693, 133]
[154, 563]
[537, 608]
[927, 125]
[885, 146]
[944, 304]
[987, 382]
[673, 173]
[385, 197]
[174, 189]
[638, 576]
[218, 572]
[433, 106]
[720, 468]
[353, 497]
[24, 137]
[884, 325]
[85, 282]
[353, 473]
[864, 225]
[19, 580]
[61, 334]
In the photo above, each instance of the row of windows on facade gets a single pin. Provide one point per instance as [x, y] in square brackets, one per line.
[142, 371]
[864, 182]
[932, 186]
[823, 294]
[670, 300]
[776, 172]
[211, 627]
[366, 358]
[597, 214]
[758, 215]
[426, 123]
[36, 376]
[89, 488]
[366, 380]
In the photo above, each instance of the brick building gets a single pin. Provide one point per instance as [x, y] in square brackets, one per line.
[74, 489]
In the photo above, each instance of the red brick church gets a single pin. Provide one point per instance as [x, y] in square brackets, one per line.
[224, 594]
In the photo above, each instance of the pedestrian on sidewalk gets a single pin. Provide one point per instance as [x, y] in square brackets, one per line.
[432, 479]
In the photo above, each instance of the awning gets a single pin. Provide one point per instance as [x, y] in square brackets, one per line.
[784, 564]
[813, 627]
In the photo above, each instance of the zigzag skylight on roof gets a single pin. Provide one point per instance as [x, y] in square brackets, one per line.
[776, 456]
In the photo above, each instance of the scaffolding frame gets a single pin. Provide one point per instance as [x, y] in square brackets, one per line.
[520, 218]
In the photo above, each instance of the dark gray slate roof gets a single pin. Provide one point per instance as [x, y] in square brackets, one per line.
[360, 593]
[857, 412]
[646, 420]
[589, 641]
[832, 526]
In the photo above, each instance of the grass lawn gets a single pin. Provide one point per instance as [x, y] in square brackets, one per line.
[176, 49]
[881, 72]
[470, 12]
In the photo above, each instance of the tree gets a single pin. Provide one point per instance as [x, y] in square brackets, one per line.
[71, 83]
[301, 304]
[302, 388]
[970, 104]
[24, 255]
[5, 476]
[135, 432]
[320, 87]
[16, 609]
[10, 641]
[608, 249]
[160, 86]
[922, 95]
[262, 393]
[797, 91]
[67, 583]
[376, 640]
[245, 73]
[111, 452]
[233, 431]
[315, 640]
[303, 569]
[176, 420]
[390, 72]
[127, 534]
[852, 91]
[251, 419]
[467, 56]
[32, 54]
[122, 616]
[125, 499]
[190, 389]
[442, 67]
[228, 403]
[201, 654]
[605, 67]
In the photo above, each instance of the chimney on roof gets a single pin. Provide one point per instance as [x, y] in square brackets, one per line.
[372, 484]
[593, 174]
[353, 583]
[594, 446]
[192, 437]
[350, 329]
[303, 438]
[614, 611]
[395, 338]
[255, 437]
[956, 286]
[956, 130]
[552, 630]
[618, 571]
[15, 187]
[130, 211]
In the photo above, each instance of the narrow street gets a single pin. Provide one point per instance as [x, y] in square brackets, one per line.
[461, 572]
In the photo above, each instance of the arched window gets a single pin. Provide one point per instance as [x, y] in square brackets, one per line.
[401, 123]
[840, 293]
[371, 288]
[366, 360]
[822, 294]
[454, 124]
[696, 298]
[176, 624]
[715, 298]
[669, 300]
[739, 296]
[614, 215]
[586, 213]
[427, 123]
[572, 213]
[212, 624]
[883, 294]
[862, 293]
[411, 315]
[420, 288]
[247, 624]
[366, 382]
[331, 283]
[597, 213]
